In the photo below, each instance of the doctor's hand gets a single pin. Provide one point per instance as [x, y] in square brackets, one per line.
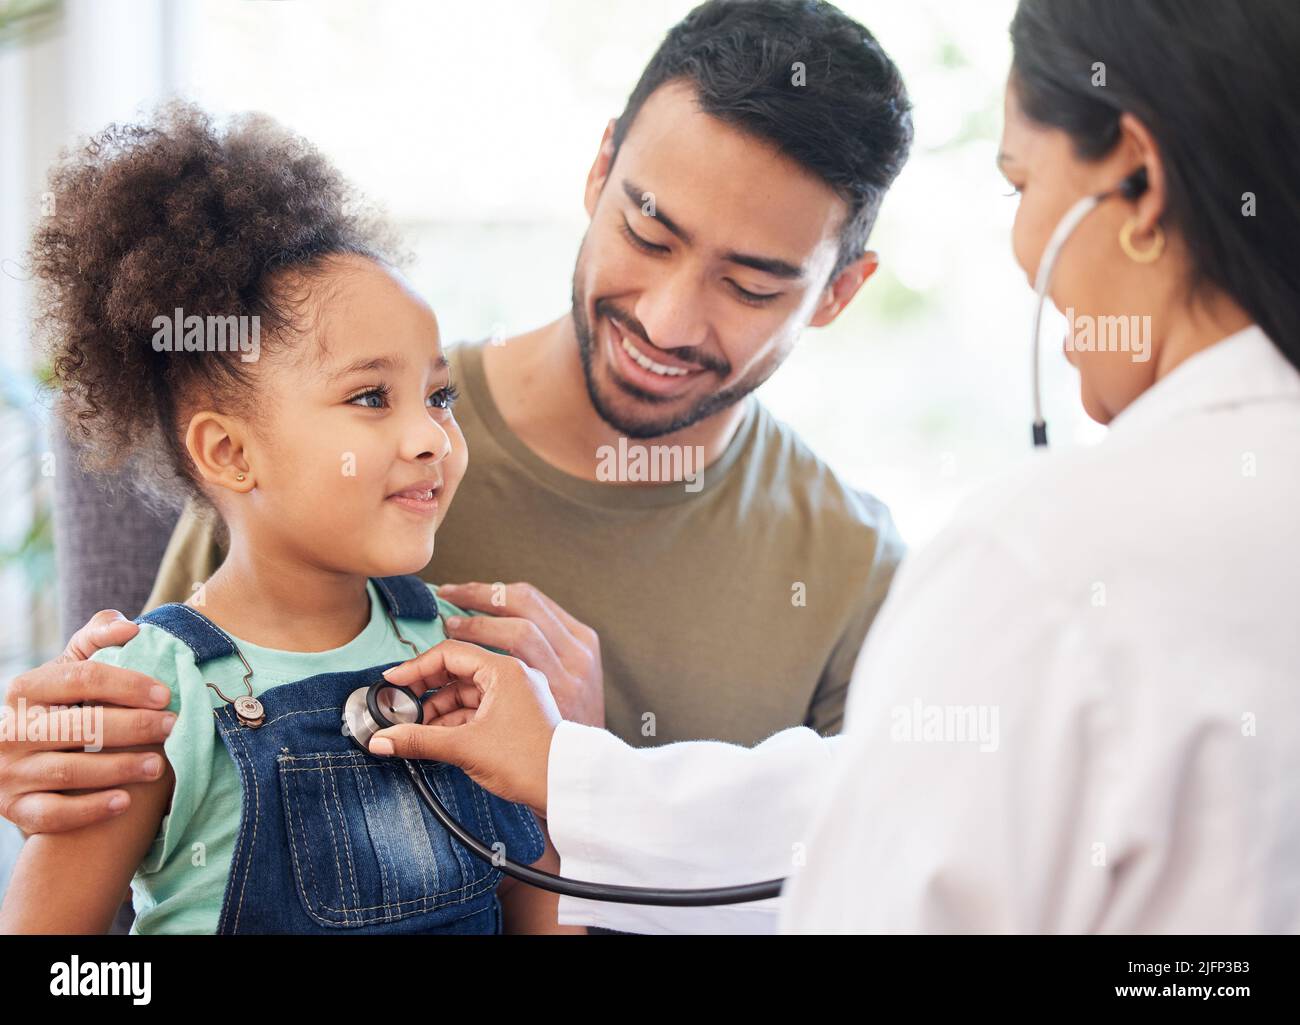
[526, 623]
[493, 717]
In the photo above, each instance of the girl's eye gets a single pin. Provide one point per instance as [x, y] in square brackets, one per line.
[444, 398]
[379, 395]
[1015, 191]
[377, 398]
[753, 298]
[645, 245]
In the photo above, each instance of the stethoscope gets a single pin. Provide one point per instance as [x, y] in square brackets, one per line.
[381, 705]
[371, 709]
[1130, 188]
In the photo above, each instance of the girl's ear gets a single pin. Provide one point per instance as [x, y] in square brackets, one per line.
[216, 444]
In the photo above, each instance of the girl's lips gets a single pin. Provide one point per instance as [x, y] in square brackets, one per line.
[425, 506]
[420, 498]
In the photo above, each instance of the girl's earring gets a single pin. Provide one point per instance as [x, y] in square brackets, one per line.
[239, 476]
[1149, 255]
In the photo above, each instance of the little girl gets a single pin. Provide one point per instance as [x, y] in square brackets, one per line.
[221, 310]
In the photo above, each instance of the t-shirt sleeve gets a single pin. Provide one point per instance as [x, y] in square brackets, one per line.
[826, 711]
[189, 747]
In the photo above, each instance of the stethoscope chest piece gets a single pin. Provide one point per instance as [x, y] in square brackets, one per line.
[371, 709]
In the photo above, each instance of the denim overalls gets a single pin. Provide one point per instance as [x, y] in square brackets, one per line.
[334, 840]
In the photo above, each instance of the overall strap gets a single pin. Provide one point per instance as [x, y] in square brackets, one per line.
[407, 597]
[194, 630]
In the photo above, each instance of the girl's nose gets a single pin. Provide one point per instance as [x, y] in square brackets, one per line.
[432, 443]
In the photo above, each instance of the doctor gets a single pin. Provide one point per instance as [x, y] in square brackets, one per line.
[1080, 707]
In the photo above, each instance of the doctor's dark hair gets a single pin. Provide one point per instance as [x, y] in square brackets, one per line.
[1218, 86]
[175, 213]
[849, 122]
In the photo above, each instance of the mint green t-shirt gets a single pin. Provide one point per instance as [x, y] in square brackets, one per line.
[180, 886]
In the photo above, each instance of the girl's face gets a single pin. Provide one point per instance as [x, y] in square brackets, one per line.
[355, 454]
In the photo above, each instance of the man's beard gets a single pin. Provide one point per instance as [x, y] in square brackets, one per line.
[652, 427]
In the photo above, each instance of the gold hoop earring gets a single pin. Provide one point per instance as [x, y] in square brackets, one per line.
[1149, 255]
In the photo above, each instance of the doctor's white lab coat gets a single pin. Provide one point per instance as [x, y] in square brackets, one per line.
[1078, 710]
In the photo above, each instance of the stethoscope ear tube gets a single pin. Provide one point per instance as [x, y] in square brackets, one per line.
[1042, 282]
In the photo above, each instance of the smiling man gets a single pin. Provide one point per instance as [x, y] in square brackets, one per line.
[730, 206]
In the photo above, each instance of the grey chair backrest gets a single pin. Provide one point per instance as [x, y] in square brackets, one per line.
[108, 542]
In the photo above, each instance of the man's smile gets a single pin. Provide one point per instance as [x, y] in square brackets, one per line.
[644, 367]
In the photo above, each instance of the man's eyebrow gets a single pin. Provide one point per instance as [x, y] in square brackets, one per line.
[361, 366]
[764, 264]
[638, 196]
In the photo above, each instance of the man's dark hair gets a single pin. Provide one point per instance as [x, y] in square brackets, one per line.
[848, 121]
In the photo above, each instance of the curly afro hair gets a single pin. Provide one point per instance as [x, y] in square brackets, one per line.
[177, 212]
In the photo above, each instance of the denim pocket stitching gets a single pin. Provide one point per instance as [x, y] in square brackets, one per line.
[365, 786]
[311, 900]
[306, 858]
[347, 840]
[433, 874]
[293, 856]
[297, 833]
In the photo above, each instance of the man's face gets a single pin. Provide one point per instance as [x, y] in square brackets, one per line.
[707, 254]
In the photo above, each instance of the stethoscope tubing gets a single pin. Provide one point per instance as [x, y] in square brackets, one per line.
[564, 886]
[609, 893]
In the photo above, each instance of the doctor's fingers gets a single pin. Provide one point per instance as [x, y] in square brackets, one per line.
[458, 717]
[498, 756]
[518, 693]
[427, 743]
[446, 662]
[450, 698]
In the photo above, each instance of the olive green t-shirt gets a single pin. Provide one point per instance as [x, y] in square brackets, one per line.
[726, 610]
